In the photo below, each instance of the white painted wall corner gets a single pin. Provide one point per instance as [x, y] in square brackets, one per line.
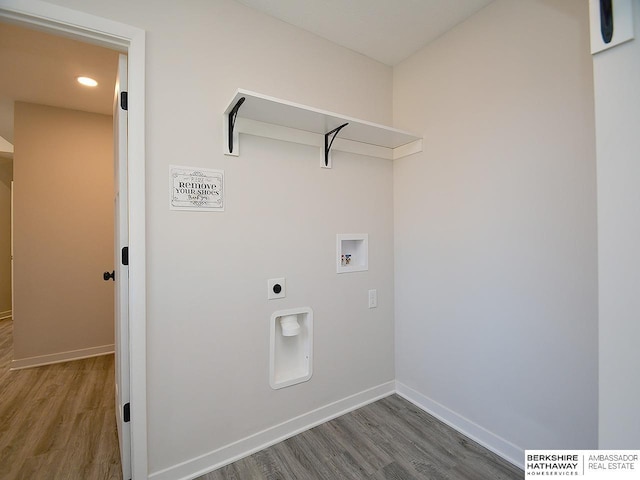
[498, 445]
[249, 445]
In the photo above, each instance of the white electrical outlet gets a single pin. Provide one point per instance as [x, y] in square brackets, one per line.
[276, 288]
[373, 298]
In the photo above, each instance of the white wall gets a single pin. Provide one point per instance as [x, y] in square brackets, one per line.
[208, 335]
[495, 227]
[617, 102]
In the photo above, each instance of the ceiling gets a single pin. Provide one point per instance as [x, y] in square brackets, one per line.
[41, 68]
[386, 30]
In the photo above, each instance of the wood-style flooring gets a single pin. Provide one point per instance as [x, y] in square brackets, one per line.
[57, 421]
[388, 439]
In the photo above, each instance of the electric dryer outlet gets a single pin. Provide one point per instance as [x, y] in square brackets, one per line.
[276, 288]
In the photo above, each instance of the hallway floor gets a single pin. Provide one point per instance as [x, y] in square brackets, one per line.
[57, 421]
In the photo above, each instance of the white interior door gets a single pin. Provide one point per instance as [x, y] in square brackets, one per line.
[122, 270]
[13, 305]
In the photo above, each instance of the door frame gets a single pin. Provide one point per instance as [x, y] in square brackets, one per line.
[131, 41]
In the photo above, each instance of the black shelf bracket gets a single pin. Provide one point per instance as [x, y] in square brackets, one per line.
[232, 120]
[327, 143]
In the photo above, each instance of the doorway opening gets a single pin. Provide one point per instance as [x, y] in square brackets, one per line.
[129, 40]
[62, 197]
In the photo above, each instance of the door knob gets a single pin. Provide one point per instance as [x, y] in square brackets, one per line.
[109, 275]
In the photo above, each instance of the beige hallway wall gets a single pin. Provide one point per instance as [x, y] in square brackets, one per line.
[63, 230]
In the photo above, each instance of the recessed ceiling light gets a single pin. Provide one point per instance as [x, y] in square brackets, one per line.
[87, 82]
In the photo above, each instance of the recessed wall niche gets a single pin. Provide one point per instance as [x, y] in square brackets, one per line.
[352, 252]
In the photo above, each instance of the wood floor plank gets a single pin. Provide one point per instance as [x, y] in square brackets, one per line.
[246, 469]
[421, 446]
[306, 456]
[269, 466]
[361, 450]
[388, 439]
[57, 421]
[394, 471]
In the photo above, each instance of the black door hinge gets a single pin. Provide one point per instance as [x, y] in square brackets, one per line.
[124, 100]
[126, 412]
[125, 255]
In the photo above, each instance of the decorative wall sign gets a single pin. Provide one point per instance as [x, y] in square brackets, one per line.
[195, 188]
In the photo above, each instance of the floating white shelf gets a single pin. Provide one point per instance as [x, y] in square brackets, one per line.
[257, 114]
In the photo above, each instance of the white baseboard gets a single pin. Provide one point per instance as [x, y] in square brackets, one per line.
[242, 448]
[61, 357]
[498, 445]
[7, 314]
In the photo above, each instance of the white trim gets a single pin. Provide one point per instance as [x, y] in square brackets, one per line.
[64, 21]
[5, 315]
[137, 255]
[61, 357]
[242, 448]
[129, 39]
[498, 445]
